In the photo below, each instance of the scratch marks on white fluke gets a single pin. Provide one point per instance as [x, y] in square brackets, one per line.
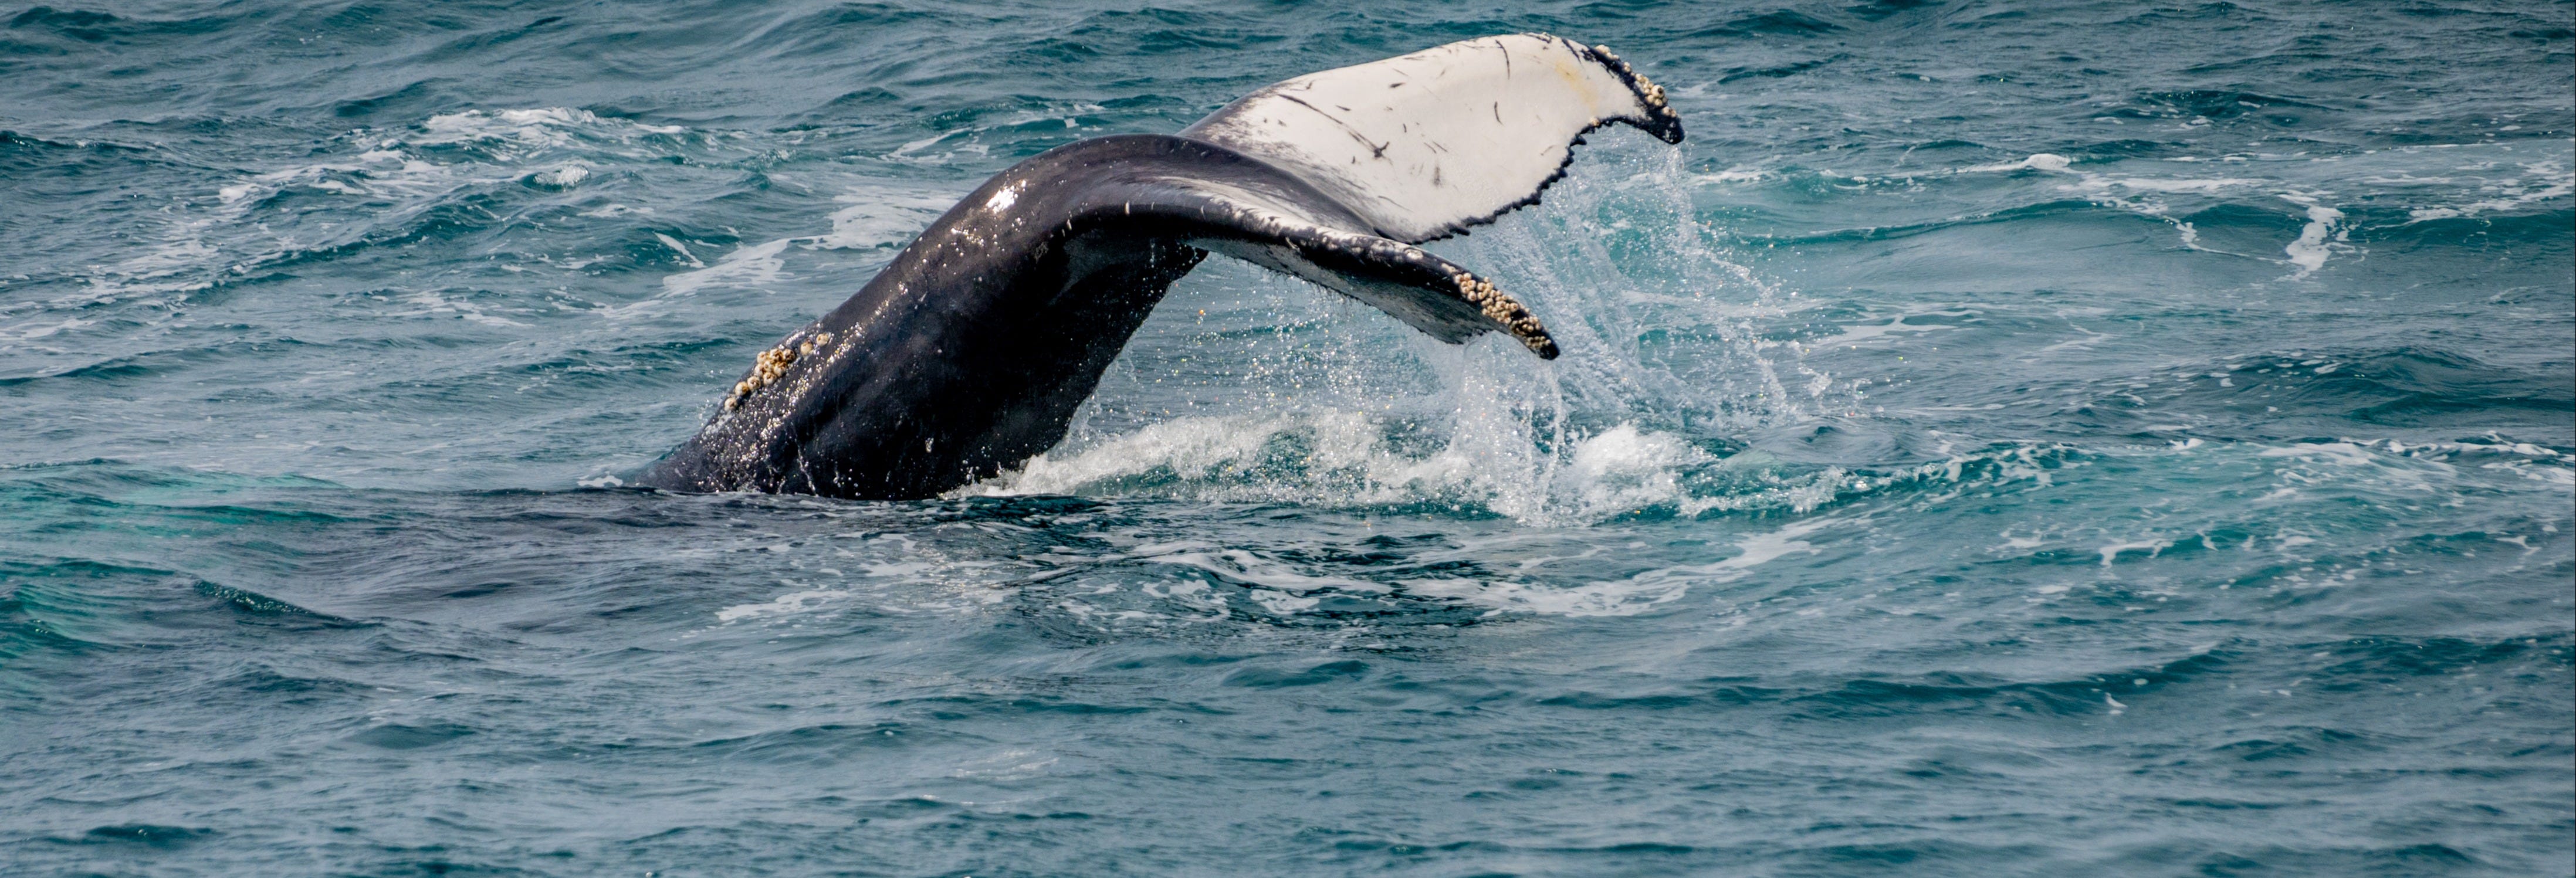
[1419, 163]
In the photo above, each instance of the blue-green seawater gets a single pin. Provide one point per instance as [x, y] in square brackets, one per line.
[2005, 439]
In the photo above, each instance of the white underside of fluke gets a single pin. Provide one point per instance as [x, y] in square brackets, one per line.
[1426, 144]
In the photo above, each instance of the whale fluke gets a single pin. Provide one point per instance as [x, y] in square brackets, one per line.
[971, 350]
[1424, 145]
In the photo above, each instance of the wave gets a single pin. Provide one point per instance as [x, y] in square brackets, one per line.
[2298, 210]
[2418, 392]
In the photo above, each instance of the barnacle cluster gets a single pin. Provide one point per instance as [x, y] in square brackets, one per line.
[771, 366]
[1654, 94]
[1501, 308]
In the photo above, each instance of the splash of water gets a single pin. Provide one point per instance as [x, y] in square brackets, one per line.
[1632, 418]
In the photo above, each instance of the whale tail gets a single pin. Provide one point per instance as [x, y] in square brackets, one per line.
[971, 351]
[1420, 147]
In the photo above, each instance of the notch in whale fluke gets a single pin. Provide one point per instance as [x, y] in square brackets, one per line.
[971, 350]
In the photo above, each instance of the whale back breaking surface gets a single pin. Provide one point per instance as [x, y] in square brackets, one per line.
[1424, 145]
[970, 352]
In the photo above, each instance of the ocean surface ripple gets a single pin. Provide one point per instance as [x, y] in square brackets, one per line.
[2090, 438]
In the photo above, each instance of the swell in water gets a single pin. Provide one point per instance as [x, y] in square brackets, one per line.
[2119, 440]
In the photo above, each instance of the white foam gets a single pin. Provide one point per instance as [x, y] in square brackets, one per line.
[751, 267]
[2166, 184]
[1275, 585]
[1766, 547]
[1638, 593]
[2310, 250]
[2132, 192]
[2044, 161]
[2089, 181]
[2338, 453]
[1626, 467]
[1622, 598]
[882, 216]
[876, 217]
[677, 247]
[2555, 180]
[913, 151]
[564, 177]
[1341, 458]
[232, 234]
[512, 134]
[1857, 332]
[431, 303]
[1735, 175]
[2151, 547]
[793, 603]
[2558, 476]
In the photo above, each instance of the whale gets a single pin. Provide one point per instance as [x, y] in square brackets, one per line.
[969, 353]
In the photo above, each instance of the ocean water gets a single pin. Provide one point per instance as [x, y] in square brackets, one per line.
[2005, 439]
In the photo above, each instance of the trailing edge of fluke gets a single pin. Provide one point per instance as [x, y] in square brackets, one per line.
[970, 351]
